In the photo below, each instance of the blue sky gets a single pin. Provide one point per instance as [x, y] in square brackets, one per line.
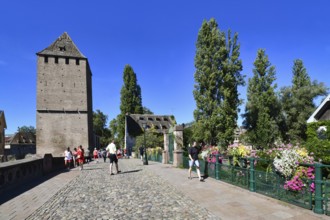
[157, 38]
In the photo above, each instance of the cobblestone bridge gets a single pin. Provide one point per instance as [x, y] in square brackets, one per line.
[156, 191]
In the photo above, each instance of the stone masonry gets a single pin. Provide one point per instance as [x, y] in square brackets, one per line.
[64, 98]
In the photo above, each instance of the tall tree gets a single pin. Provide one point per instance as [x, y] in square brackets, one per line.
[297, 101]
[130, 100]
[217, 78]
[99, 126]
[262, 111]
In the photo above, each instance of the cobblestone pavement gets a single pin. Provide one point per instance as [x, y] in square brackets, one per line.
[135, 193]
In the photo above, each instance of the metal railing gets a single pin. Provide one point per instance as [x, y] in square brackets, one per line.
[269, 183]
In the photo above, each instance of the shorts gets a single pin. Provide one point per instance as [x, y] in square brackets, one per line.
[113, 158]
[192, 162]
[96, 157]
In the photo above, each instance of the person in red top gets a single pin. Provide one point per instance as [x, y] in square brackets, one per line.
[80, 157]
[96, 155]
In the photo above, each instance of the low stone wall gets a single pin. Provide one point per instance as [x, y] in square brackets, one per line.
[15, 173]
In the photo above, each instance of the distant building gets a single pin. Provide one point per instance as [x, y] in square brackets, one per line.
[64, 99]
[135, 123]
[322, 113]
[237, 134]
[20, 144]
[3, 126]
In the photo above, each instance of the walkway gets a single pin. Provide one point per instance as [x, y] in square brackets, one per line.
[156, 191]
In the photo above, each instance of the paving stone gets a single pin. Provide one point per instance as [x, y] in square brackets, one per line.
[135, 193]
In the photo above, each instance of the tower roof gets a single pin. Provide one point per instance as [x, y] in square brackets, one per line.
[62, 46]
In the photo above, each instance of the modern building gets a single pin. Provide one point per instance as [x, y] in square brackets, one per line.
[64, 98]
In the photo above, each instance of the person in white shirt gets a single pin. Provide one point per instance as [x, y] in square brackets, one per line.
[67, 158]
[111, 148]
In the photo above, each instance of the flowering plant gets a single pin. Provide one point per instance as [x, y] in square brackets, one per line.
[209, 153]
[238, 150]
[287, 162]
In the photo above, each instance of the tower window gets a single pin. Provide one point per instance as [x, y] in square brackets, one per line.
[77, 62]
[46, 59]
[62, 48]
[56, 59]
[66, 60]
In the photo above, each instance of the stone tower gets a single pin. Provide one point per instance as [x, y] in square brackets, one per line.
[64, 98]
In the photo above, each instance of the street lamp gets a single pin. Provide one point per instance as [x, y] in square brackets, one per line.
[145, 162]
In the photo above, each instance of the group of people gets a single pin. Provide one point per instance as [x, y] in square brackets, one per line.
[111, 151]
[75, 158]
[78, 158]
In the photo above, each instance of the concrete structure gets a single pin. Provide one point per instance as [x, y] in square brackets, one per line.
[322, 113]
[178, 144]
[134, 126]
[64, 98]
[3, 126]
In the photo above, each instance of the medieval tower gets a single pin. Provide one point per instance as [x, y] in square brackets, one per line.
[64, 98]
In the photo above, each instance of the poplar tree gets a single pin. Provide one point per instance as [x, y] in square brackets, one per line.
[217, 77]
[262, 111]
[130, 100]
[297, 101]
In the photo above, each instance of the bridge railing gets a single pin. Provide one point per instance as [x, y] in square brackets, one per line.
[269, 182]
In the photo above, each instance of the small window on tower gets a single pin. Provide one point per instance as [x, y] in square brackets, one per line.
[77, 61]
[56, 59]
[46, 59]
[66, 60]
[62, 48]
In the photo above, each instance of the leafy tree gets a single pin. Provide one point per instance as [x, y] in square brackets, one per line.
[130, 100]
[152, 137]
[100, 129]
[217, 78]
[262, 111]
[27, 129]
[147, 111]
[297, 101]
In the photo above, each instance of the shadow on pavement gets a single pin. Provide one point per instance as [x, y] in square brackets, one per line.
[12, 192]
[130, 171]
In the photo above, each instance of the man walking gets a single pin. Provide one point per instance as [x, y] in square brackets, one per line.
[111, 148]
[141, 149]
[193, 156]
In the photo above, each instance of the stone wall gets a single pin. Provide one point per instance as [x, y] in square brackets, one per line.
[18, 172]
[64, 105]
[57, 131]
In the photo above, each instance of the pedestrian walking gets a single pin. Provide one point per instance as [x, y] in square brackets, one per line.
[74, 157]
[141, 149]
[80, 157]
[96, 155]
[193, 156]
[111, 148]
[104, 155]
[67, 158]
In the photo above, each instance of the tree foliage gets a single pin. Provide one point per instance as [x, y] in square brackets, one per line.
[217, 78]
[318, 140]
[152, 139]
[297, 102]
[262, 111]
[27, 129]
[100, 128]
[130, 100]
